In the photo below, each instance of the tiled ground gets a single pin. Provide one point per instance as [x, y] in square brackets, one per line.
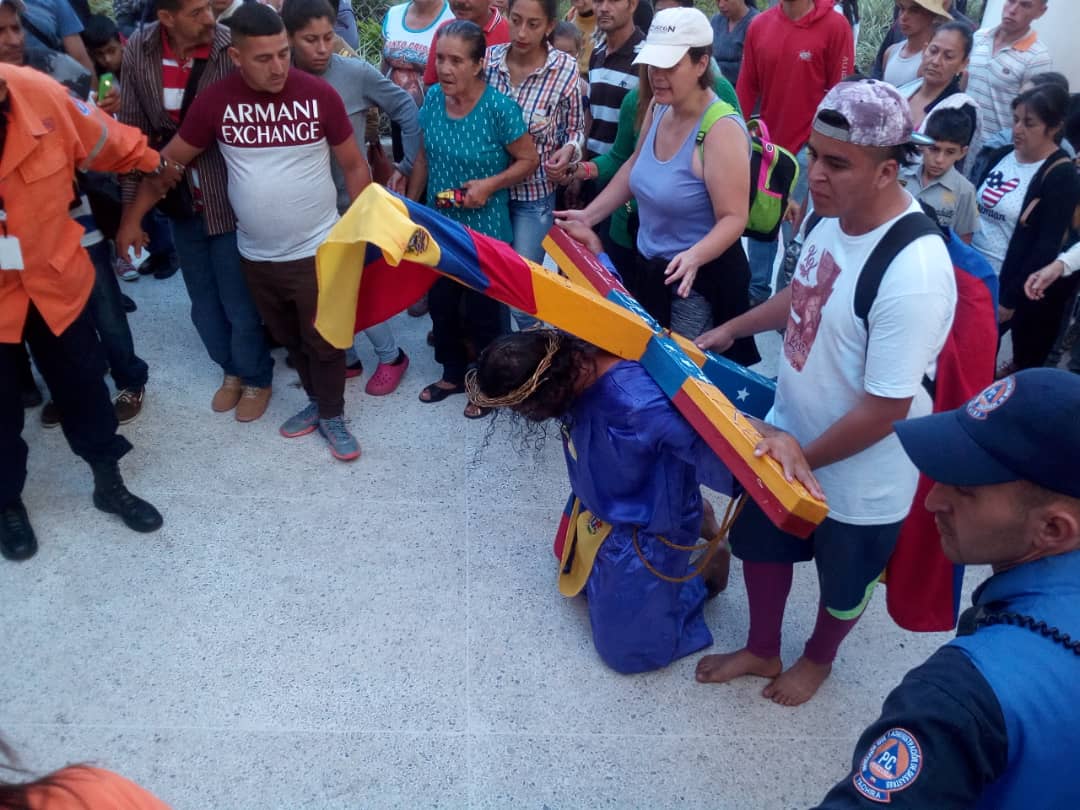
[309, 634]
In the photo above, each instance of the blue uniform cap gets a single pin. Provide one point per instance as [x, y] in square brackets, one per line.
[1025, 427]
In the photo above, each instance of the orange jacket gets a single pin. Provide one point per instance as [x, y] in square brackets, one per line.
[49, 136]
[84, 788]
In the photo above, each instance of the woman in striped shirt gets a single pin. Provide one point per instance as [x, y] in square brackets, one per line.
[544, 82]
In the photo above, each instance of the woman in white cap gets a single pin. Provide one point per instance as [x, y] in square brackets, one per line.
[692, 198]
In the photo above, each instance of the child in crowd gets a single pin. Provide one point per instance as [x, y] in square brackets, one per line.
[583, 17]
[936, 182]
[105, 44]
[567, 37]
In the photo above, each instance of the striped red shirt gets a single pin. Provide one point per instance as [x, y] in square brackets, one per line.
[174, 75]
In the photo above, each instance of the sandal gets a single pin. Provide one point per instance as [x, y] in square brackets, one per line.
[436, 393]
[480, 413]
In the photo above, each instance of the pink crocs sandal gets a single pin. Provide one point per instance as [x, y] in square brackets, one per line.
[387, 376]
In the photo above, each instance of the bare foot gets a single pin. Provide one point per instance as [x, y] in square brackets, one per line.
[728, 666]
[710, 526]
[716, 572]
[798, 684]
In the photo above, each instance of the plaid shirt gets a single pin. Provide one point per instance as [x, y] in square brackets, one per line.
[550, 101]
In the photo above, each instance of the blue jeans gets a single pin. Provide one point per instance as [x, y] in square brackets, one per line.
[107, 314]
[221, 306]
[156, 225]
[382, 341]
[762, 255]
[531, 220]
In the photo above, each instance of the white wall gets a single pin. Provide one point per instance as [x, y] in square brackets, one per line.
[1058, 28]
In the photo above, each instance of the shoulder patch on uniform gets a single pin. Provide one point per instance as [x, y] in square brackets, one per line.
[81, 106]
[892, 764]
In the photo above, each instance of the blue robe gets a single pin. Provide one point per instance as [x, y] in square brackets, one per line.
[634, 461]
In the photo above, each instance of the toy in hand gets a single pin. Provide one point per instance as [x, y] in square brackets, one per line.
[451, 198]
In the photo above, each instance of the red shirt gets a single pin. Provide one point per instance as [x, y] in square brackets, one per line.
[174, 75]
[790, 66]
[496, 32]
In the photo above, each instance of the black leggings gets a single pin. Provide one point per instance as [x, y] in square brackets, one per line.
[1035, 324]
[724, 282]
[458, 313]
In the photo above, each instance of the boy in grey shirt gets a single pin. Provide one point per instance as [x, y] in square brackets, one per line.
[310, 24]
[937, 182]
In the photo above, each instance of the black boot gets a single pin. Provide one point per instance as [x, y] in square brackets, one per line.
[31, 395]
[17, 541]
[110, 495]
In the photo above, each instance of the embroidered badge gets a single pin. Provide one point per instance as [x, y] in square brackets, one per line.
[991, 399]
[418, 243]
[80, 106]
[892, 764]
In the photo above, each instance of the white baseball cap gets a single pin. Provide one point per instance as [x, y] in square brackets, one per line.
[673, 32]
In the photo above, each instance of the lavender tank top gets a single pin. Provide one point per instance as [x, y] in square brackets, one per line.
[673, 204]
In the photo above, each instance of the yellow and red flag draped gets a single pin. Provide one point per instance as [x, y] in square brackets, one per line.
[396, 243]
[386, 252]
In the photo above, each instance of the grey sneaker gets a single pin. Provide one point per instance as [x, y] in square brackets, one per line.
[302, 423]
[343, 445]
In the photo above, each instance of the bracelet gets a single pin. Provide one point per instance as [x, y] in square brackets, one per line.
[165, 164]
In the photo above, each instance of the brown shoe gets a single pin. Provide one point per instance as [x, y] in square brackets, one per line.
[128, 404]
[228, 395]
[252, 403]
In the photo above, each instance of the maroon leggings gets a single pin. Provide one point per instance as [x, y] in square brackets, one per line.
[767, 588]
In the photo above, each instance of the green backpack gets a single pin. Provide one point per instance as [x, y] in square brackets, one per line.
[773, 174]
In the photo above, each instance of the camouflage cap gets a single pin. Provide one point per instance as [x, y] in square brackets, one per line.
[873, 112]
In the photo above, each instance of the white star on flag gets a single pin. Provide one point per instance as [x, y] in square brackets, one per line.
[742, 394]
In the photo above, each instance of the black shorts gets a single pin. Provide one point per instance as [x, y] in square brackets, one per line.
[850, 559]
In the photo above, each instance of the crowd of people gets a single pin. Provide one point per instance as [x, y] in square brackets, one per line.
[147, 144]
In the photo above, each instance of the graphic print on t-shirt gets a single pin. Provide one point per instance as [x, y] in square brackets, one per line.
[290, 122]
[276, 148]
[810, 291]
[996, 187]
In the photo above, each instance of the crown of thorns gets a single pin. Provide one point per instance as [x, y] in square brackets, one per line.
[523, 391]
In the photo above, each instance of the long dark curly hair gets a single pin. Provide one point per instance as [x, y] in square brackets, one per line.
[510, 361]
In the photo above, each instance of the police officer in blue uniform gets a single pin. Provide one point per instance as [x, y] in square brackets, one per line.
[992, 719]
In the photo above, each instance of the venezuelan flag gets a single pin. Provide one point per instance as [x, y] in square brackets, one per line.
[380, 258]
[386, 251]
[752, 392]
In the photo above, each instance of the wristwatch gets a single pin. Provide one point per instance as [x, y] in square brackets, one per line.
[165, 164]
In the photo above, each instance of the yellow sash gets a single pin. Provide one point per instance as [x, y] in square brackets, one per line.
[585, 533]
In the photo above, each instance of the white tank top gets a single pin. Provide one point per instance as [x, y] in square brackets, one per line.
[902, 69]
[406, 50]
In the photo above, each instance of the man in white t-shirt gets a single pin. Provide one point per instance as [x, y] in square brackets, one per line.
[276, 129]
[842, 383]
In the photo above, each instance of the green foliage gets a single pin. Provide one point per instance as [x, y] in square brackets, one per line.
[876, 19]
[371, 39]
